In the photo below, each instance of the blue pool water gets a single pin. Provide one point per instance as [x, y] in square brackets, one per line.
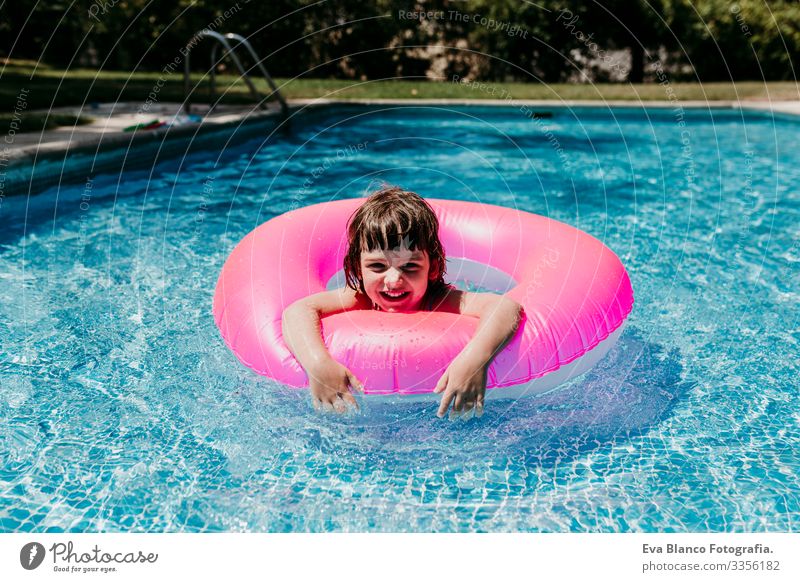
[122, 410]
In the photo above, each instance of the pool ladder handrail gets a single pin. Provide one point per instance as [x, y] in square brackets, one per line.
[229, 50]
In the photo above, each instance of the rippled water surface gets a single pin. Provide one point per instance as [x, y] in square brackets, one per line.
[122, 410]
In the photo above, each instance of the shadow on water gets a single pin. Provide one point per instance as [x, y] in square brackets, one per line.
[568, 141]
[634, 388]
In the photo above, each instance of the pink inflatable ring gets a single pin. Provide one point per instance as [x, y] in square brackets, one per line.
[575, 293]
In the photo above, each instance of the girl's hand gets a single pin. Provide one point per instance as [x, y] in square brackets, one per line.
[464, 385]
[330, 384]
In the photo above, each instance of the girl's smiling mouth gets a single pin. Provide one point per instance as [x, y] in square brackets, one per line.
[394, 295]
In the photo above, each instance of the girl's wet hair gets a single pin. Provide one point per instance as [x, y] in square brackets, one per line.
[393, 218]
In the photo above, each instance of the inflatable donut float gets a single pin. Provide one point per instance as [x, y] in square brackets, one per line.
[574, 290]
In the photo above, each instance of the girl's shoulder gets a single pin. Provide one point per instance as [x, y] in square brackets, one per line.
[360, 300]
[447, 299]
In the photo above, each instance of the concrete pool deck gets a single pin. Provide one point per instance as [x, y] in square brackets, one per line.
[22, 152]
[109, 121]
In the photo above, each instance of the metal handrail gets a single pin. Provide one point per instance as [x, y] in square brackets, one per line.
[223, 40]
[259, 62]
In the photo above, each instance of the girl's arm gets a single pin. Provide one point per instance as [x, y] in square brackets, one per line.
[464, 381]
[329, 381]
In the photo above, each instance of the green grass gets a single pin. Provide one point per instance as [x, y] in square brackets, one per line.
[47, 87]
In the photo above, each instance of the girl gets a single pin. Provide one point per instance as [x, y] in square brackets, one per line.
[395, 262]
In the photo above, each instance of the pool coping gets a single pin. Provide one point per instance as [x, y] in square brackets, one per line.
[100, 135]
[102, 146]
[51, 141]
[18, 163]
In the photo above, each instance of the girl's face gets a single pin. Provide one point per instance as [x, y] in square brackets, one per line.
[396, 280]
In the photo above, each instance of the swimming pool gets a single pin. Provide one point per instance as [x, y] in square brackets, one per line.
[122, 410]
